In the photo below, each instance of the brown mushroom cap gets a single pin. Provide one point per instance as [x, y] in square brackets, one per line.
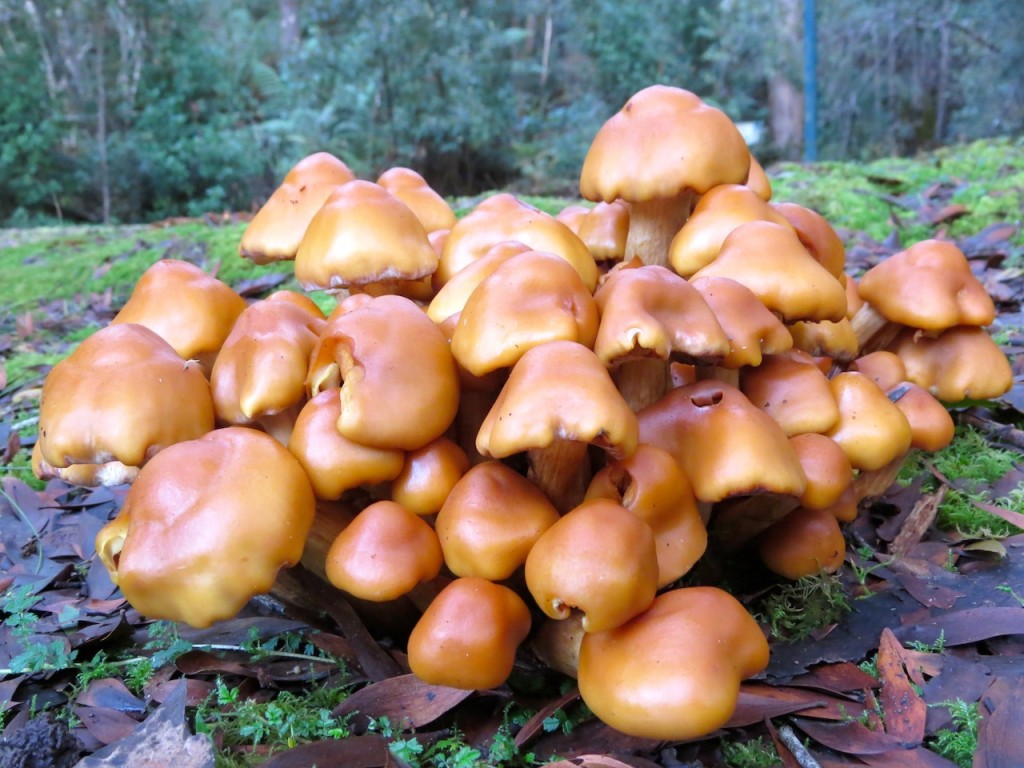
[334, 463]
[651, 485]
[491, 520]
[467, 637]
[399, 383]
[383, 553]
[791, 389]
[363, 235]
[758, 180]
[928, 286]
[530, 299]
[826, 467]
[189, 309]
[277, 228]
[504, 217]
[803, 543]
[931, 425]
[725, 445]
[428, 476]
[771, 262]
[837, 341]
[604, 229]
[751, 327]
[884, 368]
[207, 524]
[412, 189]
[718, 213]
[261, 369]
[454, 294]
[817, 236]
[598, 558]
[123, 395]
[673, 672]
[958, 364]
[871, 429]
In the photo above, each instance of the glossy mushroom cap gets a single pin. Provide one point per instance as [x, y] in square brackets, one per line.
[491, 520]
[428, 476]
[600, 559]
[791, 389]
[467, 637]
[651, 485]
[261, 369]
[871, 429]
[673, 672]
[826, 467]
[817, 236]
[189, 309]
[504, 217]
[384, 553]
[453, 295]
[725, 445]
[604, 229]
[363, 235]
[122, 396]
[758, 180]
[958, 364]
[803, 543]
[207, 525]
[931, 425]
[753, 330]
[530, 299]
[412, 189]
[770, 260]
[717, 214]
[334, 463]
[399, 386]
[928, 286]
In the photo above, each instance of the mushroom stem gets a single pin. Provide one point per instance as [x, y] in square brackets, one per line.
[279, 425]
[562, 471]
[872, 330]
[736, 521]
[719, 373]
[870, 484]
[642, 381]
[557, 643]
[653, 224]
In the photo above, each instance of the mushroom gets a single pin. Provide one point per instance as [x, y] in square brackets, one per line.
[651, 485]
[491, 520]
[663, 148]
[604, 230]
[558, 399]
[412, 189]
[649, 316]
[816, 235]
[121, 397]
[803, 543]
[399, 387]
[384, 553]
[672, 673]
[758, 181]
[958, 364]
[871, 430]
[189, 309]
[260, 374]
[363, 236]
[467, 637]
[208, 524]
[428, 476]
[791, 389]
[600, 559]
[277, 228]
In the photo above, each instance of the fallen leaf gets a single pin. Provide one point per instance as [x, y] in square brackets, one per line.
[369, 751]
[917, 523]
[603, 761]
[850, 737]
[904, 710]
[106, 725]
[406, 700]
[112, 694]
[1000, 736]
[962, 627]
[162, 740]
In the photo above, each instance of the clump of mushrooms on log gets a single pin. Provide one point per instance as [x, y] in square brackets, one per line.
[527, 428]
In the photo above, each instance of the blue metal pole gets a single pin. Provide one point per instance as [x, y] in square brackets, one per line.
[810, 81]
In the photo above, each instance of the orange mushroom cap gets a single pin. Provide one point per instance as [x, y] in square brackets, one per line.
[412, 189]
[604, 229]
[428, 476]
[931, 426]
[383, 553]
[467, 637]
[122, 396]
[826, 467]
[803, 543]
[207, 524]
[753, 330]
[189, 309]
[791, 389]
[453, 295]
[673, 672]
[871, 429]
[817, 236]
[491, 520]
[598, 558]
[960, 363]
[277, 228]
[399, 384]
[758, 180]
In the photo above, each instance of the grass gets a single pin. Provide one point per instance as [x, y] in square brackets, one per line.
[974, 465]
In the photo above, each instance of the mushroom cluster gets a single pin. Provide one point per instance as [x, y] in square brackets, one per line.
[529, 425]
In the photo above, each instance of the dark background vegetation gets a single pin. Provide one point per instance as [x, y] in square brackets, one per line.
[134, 110]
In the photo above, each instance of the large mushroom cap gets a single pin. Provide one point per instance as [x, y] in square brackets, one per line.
[960, 363]
[207, 525]
[753, 330]
[276, 230]
[189, 309]
[363, 235]
[123, 395]
[673, 672]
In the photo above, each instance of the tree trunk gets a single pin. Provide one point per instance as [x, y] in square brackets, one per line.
[290, 28]
[785, 93]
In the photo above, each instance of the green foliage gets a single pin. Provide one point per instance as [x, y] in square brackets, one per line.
[973, 464]
[755, 753]
[959, 743]
[794, 610]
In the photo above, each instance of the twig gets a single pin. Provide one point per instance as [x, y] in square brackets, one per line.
[800, 752]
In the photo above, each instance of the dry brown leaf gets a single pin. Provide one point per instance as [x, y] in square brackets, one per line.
[904, 710]
[406, 700]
